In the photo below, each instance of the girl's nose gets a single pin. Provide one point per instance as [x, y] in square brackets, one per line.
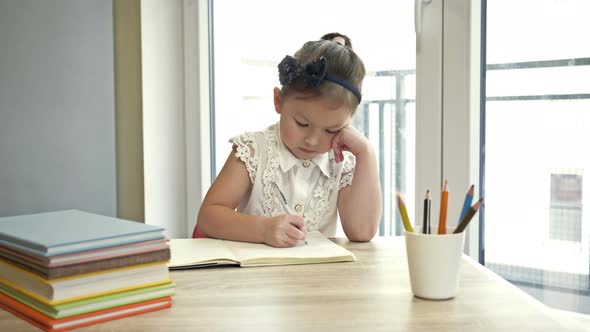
[312, 139]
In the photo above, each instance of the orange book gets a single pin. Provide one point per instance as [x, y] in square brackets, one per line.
[49, 324]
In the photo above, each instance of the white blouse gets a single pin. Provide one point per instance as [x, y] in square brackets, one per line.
[310, 186]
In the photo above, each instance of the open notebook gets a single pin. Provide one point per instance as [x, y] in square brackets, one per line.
[194, 253]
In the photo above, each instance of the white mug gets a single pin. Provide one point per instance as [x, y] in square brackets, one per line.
[433, 262]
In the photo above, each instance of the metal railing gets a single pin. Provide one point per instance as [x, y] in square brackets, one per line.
[398, 106]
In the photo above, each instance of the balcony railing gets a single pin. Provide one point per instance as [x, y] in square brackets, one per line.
[398, 106]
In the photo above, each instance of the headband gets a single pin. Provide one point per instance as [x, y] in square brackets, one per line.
[312, 74]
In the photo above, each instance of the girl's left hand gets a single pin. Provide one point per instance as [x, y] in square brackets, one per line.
[349, 139]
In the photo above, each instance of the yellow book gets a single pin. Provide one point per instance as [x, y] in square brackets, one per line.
[82, 286]
[194, 253]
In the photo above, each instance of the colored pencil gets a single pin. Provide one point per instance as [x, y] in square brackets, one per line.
[426, 223]
[444, 203]
[465, 221]
[404, 213]
[467, 202]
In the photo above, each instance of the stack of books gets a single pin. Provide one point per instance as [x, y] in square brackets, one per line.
[66, 269]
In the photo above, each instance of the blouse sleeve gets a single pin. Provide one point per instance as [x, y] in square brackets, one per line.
[247, 151]
[347, 170]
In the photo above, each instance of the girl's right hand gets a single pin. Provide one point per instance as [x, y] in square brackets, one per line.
[284, 231]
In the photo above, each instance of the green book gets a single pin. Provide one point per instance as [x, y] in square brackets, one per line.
[79, 307]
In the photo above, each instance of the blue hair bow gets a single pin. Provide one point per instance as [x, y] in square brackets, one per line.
[311, 74]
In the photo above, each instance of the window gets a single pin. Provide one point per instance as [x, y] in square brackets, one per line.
[537, 123]
[245, 72]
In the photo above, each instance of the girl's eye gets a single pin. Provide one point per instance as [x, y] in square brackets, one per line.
[332, 131]
[300, 124]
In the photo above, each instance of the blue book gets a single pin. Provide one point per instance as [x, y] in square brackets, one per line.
[63, 232]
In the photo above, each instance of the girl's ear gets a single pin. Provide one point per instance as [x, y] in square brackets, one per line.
[277, 98]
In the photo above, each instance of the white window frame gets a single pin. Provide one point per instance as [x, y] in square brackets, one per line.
[447, 110]
[461, 107]
[197, 105]
[175, 85]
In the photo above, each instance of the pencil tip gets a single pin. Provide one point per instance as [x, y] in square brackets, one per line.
[478, 203]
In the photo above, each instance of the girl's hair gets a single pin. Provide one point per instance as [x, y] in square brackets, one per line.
[342, 63]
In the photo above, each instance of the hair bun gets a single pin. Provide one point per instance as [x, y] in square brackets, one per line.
[332, 35]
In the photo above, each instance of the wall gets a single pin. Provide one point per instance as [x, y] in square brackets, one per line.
[57, 119]
[100, 109]
[128, 101]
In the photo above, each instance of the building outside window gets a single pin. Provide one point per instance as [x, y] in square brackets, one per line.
[565, 220]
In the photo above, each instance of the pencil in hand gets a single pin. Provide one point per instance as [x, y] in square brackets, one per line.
[467, 218]
[444, 203]
[401, 205]
[286, 207]
[426, 221]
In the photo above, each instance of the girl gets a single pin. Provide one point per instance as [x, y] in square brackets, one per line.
[321, 165]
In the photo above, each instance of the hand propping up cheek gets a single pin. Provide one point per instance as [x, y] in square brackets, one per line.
[285, 231]
[349, 139]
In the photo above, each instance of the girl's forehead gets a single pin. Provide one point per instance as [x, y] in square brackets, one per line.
[318, 102]
[331, 98]
[319, 111]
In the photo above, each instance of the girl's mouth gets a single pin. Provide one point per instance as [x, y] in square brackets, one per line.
[307, 151]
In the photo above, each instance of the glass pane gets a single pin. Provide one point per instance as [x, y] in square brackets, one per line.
[245, 73]
[537, 231]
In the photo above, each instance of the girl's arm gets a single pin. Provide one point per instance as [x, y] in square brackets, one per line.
[359, 204]
[218, 218]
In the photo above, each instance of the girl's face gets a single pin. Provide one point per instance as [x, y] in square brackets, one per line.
[308, 124]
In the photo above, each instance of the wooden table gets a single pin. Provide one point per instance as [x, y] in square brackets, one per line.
[371, 294]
